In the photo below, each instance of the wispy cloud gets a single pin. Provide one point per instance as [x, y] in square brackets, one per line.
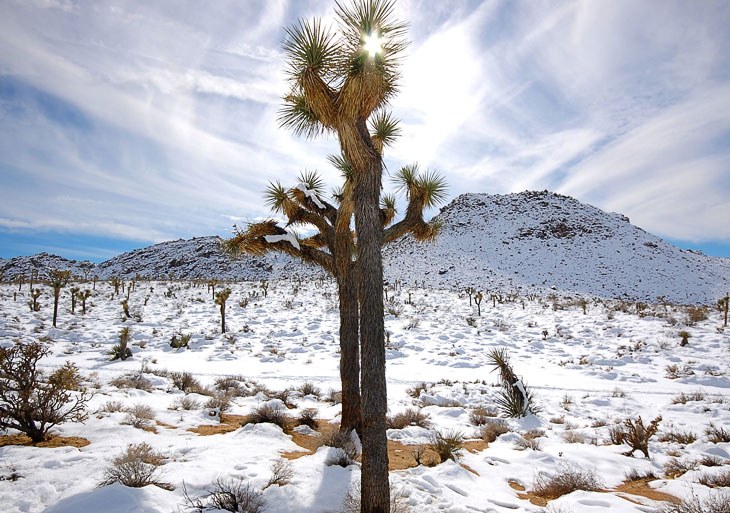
[150, 121]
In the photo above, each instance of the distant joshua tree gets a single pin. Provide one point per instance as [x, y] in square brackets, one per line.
[722, 305]
[220, 299]
[33, 303]
[83, 296]
[59, 279]
[74, 296]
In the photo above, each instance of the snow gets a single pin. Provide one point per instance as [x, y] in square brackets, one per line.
[590, 371]
[311, 194]
[288, 237]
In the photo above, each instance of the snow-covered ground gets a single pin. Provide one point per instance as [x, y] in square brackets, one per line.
[588, 371]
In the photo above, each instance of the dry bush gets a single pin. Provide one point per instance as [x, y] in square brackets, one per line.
[234, 495]
[716, 480]
[139, 416]
[186, 403]
[480, 416]
[268, 413]
[346, 450]
[333, 396]
[281, 473]
[680, 437]
[716, 502]
[136, 467]
[219, 401]
[308, 417]
[573, 437]
[26, 402]
[675, 467]
[398, 500]
[696, 314]
[683, 398]
[710, 460]
[415, 391]
[523, 443]
[233, 385]
[309, 388]
[674, 371]
[637, 475]
[112, 407]
[447, 445]
[66, 377]
[185, 381]
[567, 479]
[492, 429]
[409, 417]
[284, 396]
[635, 434]
[134, 380]
[716, 434]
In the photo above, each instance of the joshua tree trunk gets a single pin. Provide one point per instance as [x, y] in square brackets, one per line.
[375, 486]
[56, 293]
[349, 353]
[223, 317]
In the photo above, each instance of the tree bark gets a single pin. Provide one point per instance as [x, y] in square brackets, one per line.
[375, 486]
[56, 293]
[223, 317]
[349, 353]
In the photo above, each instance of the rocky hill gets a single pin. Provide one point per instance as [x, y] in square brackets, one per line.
[529, 242]
[542, 240]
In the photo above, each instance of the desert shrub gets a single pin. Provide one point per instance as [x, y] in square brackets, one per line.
[234, 385]
[567, 479]
[180, 340]
[284, 396]
[134, 380]
[234, 495]
[635, 434]
[186, 403]
[492, 429]
[716, 502]
[480, 416]
[635, 474]
[717, 434]
[675, 467]
[674, 371]
[333, 396]
[515, 399]
[696, 314]
[138, 466]
[268, 413]
[308, 417]
[683, 398]
[66, 377]
[26, 402]
[220, 402]
[415, 391]
[680, 437]
[112, 407]
[523, 443]
[346, 452]
[447, 445]
[573, 437]
[139, 416]
[721, 479]
[710, 460]
[281, 473]
[121, 351]
[309, 388]
[185, 381]
[409, 417]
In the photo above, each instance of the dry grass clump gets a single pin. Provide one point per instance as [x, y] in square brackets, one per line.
[185, 402]
[281, 473]
[136, 467]
[567, 479]
[308, 417]
[697, 395]
[139, 416]
[523, 443]
[492, 429]
[309, 388]
[134, 380]
[677, 436]
[185, 381]
[710, 460]
[716, 434]
[398, 501]
[234, 495]
[415, 391]
[447, 444]
[270, 414]
[333, 396]
[480, 416]
[409, 417]
[716, 502]
[716, 480]
[112, 407]
[219, 401]
[637, 475]
[573, 437]
[233, 385]
[675, 467]
[346, 452]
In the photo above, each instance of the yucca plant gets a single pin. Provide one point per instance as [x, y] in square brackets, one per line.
[83, 296]
[722, 305]
[515, 399]
[121, 351]
[33, 303]
[116, 283]
[220, 299]
[74, 291]
[59, 279]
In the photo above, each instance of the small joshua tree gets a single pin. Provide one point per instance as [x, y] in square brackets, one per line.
[33, 303]
[478, 300]
[28, 402]
[116, 282]
[220, 299]
[120, 351]
[211, 285]
[74, 297]
[59, 279]
[83, 296]
[20, 280]
[470, 292]
[125, 308]
[96, 277]
[637, 435]
[265, 287]
[685, 336]
[722, 305]
[516, 399]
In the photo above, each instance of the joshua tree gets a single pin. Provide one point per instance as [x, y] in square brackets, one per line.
[125, 308]
[20, 280]
[211, 285]
[220, 299]
[121, 351]
[722, 305]
[303, 204]
[59, 279]
[339, 83]
[478, 300]
[34, 306]
[83, 296]
[96, 277]
[74, 296]
[116, 282]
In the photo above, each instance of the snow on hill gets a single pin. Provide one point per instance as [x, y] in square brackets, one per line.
[531, 241]
[540, 240]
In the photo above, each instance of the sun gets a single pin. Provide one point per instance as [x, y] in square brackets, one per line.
[373, 44]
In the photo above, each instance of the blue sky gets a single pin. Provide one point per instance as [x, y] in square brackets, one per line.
[126, 123]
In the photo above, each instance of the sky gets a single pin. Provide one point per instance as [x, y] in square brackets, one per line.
[126, 123]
